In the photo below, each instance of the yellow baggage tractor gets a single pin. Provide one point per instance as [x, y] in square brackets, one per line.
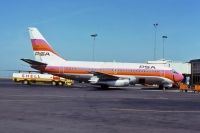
[183, 87]
[196, 88]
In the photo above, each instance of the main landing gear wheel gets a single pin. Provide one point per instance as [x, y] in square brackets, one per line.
[162, 87]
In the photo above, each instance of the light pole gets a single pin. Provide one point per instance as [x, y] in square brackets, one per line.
[155, 40]
[93, 52]
[164, 37]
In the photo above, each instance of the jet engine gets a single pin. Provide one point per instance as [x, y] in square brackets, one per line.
[132, 80]
[119, 82]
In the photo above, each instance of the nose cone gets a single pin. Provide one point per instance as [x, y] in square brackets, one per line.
[179, 77]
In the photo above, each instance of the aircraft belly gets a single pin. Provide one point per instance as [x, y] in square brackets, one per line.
[153, 80]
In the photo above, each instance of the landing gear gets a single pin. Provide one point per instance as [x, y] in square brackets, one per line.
[162, 87]
[104, 86]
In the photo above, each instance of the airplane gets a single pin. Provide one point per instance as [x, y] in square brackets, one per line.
[104, 74]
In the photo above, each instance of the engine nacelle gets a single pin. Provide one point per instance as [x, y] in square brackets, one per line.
[94, 80]
[132, 80]
[119, 82]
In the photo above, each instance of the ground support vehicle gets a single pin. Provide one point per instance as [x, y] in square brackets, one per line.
[35, 78]
[183, 87]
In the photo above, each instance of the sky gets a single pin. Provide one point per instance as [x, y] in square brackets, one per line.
[124, 27]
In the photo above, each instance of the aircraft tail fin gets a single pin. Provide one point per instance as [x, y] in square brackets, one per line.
[43, 51]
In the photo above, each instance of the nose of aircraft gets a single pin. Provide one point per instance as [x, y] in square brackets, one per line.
[179, 77]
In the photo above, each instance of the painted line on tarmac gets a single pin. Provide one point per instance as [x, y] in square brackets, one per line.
[156, 98]
[27, 100]
[157, 111]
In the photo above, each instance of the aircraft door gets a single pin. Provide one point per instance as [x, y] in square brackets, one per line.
[61, 69]
[114, 69]
[162, 73]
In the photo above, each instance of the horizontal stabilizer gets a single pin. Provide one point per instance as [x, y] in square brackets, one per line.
[33, 62]
[20, 71]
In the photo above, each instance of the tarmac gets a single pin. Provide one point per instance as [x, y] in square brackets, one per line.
[84, 109]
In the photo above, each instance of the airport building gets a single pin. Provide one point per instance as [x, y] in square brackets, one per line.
[195, 71]
[181, 67]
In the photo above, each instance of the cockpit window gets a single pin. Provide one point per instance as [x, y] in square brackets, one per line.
[173, 71]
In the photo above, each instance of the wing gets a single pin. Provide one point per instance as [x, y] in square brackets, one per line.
[104, 76]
